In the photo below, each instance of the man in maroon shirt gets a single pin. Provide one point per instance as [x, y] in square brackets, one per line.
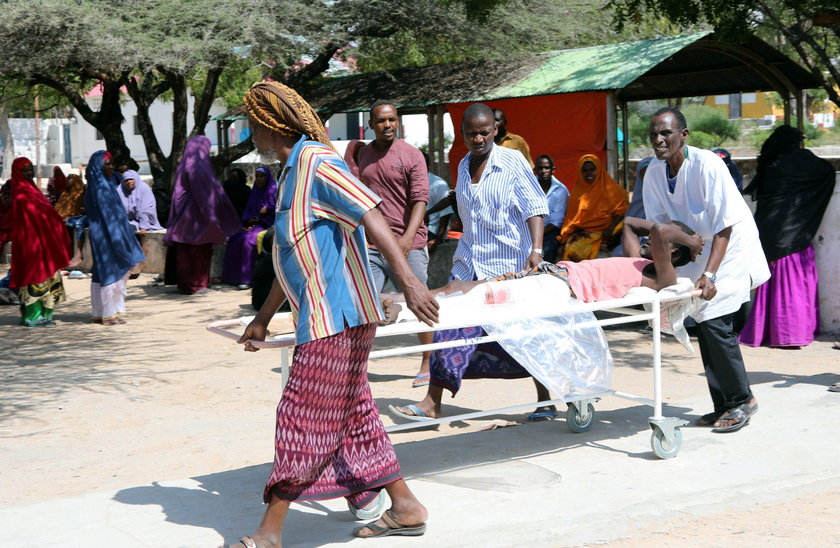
[396, 172]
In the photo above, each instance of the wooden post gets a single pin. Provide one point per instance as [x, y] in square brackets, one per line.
[625, 147]
[37, 139]
[219, 136]
[786, 103]
[612, 153]
[440, 161]
[432, 134]
[800, 110]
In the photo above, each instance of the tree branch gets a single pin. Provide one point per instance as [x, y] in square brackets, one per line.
[300, 78]
[72, 95]
[797, 35]
[231, 154]
[203, 104]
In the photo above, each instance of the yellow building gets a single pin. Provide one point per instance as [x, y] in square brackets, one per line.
[767, 106]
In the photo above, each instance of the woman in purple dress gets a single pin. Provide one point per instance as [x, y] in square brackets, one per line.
[241, 253]
[792, 187]
[200, 216]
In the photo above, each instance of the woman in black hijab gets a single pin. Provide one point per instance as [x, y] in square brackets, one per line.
[792, 187]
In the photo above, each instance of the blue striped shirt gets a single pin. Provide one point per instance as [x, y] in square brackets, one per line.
[494, 213]
[320, 250]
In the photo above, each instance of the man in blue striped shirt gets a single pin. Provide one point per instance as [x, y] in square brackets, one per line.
[501, 206]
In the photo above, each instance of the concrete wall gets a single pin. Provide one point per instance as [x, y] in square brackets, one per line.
[827, 250]
[155, 252]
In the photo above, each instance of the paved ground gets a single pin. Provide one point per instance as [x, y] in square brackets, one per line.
[160, 434]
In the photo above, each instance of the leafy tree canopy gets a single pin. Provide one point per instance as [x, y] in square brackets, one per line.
[807, 30]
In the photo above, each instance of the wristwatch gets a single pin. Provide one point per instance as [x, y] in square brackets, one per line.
[711, 275]
[537, 250]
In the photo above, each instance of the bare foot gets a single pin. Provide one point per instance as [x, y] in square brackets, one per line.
[391, 310]
[75, 261]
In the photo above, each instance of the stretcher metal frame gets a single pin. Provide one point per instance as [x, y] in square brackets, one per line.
[666, 437]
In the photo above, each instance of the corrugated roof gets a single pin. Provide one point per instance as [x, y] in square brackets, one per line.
[679, 66]
[611, 66]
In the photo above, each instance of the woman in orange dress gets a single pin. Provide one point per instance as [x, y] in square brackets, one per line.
[595, 212]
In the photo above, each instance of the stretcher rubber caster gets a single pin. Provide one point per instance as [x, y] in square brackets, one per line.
[580, 419]
[666, 438]
[372, 510]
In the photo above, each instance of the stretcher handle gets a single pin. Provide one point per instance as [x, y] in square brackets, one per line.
[219, 329]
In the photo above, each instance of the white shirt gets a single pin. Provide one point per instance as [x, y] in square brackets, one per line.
[494, 212]
[706, 199]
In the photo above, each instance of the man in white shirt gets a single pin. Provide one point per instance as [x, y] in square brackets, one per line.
[694, 186]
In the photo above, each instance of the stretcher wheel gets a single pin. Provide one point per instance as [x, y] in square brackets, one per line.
[664, 449]
[580, 421]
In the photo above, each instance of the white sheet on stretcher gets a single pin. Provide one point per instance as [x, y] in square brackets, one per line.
[527, 316]
[564, 351]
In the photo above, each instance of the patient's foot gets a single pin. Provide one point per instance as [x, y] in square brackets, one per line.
[391, 310]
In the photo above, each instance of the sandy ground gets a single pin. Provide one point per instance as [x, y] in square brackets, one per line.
[86, 408]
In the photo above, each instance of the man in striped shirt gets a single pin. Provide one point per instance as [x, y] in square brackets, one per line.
[501, 206]
[329, 440]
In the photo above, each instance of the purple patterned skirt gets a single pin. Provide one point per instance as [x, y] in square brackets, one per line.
[330, 441]
[483, 361]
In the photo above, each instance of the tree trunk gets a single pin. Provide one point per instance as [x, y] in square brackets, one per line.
[204, 102]
[8, 143]
[143, 96]
[110, 118]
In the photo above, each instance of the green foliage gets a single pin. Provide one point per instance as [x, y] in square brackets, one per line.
[450, 28]
[711, 122]
[701, 139]
[639, 129]
[793, 26]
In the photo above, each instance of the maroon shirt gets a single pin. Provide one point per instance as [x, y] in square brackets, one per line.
[398, 176]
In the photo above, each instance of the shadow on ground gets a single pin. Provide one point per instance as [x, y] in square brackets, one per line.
[229, 502]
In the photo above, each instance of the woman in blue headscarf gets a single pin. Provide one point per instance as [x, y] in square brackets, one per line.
[241, 253]
[113, 244]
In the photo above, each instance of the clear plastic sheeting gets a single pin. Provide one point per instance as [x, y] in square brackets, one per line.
[567, 352]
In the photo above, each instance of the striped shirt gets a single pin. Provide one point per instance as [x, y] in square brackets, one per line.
[320, 250]
[494, 213]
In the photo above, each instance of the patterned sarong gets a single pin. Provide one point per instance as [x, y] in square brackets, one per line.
[330, 441]
[489, 360]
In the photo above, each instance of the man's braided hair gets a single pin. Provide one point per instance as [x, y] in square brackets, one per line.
[280, 108]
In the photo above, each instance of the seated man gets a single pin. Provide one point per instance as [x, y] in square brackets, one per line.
[669, 245]
[139, 202]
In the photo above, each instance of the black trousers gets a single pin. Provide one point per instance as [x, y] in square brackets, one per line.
[725, 371]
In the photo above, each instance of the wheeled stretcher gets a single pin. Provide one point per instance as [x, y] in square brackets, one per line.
[668, 307]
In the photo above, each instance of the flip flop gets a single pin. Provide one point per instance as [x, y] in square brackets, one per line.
[394, 528]
[742, 413]
[418, 414]
[422, 379]
[836, 346]
[834, 387]
[542, 414]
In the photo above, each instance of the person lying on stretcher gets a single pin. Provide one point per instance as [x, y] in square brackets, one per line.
[652, 265]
